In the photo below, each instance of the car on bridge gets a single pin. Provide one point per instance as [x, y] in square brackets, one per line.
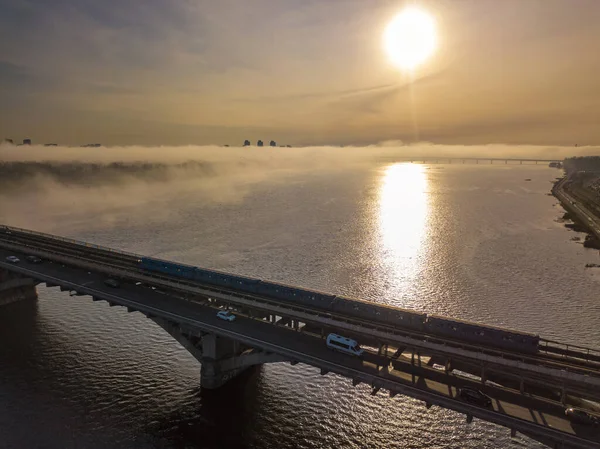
[112, 283]
[33, 259]
[13, 259]
[343, 344]
[475, 396]
[578, 416]
[226, 315]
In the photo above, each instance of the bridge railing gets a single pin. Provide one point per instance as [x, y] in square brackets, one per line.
[69, 240]
[184, 284]
[472, 158]
[565, 349]
[392, 335]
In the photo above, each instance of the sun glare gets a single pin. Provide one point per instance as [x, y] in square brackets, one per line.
[410, 38]
[403, 216]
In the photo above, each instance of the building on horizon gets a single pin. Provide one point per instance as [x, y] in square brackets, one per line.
[259, 143]
[26, 141]
[9, 141]
[246, 143]
[273, 143]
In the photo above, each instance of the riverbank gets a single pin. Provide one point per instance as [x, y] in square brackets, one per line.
[581, 209]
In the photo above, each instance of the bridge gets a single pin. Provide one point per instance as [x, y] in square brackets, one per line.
[529, 391]
[476, 160]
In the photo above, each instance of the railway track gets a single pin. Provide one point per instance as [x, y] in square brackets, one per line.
[124, 261]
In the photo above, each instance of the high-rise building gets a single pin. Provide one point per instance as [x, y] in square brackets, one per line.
[259, 143]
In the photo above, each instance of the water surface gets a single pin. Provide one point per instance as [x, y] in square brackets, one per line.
[473, 242]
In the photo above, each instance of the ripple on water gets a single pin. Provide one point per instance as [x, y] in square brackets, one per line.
[95, 376]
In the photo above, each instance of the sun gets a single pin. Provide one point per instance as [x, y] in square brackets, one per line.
[410, 38]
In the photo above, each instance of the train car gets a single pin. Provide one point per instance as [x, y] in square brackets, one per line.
[170, 268]
[300, 296]
[380, 313]
[483, 334]
[377, 313]
[405, 318]
[203, 275]
[237, 282]
[226, 280]
[278, 291]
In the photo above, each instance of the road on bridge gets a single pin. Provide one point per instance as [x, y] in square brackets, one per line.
[304, 347]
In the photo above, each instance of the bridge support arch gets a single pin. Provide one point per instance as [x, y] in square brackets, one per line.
[14, 288]
[221, 358]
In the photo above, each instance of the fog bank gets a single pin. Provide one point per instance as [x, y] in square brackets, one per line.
[46, 188]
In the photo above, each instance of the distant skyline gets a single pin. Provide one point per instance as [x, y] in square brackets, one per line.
[296, 71]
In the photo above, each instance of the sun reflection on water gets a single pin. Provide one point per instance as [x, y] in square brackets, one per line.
[403, 216]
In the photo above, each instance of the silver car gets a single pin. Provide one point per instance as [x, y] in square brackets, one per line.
[226, 315]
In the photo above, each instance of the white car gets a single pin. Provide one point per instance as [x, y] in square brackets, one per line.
[343, 344]
[13, 259]
[226, 315]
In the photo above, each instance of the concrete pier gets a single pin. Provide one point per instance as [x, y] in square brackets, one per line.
[14, 288]
[221, 359]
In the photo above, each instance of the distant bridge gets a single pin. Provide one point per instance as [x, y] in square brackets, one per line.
[529, 391]
[476, 160]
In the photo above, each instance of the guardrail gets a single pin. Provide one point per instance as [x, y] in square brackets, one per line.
[266, 304]
[9, 229]
[569, 348]
[519, 363]
[379, 380]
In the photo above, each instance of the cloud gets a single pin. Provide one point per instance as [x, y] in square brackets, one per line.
[297, 68]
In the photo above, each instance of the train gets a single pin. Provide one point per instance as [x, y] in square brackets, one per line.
[396, 317]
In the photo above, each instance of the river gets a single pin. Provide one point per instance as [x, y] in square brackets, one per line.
[476, 242]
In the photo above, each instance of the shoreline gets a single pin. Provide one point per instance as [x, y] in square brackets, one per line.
[584, 220]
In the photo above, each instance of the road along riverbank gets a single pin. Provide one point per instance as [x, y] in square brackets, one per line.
[580, 210]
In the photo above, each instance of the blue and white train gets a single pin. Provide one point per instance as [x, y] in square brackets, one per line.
[393, 316]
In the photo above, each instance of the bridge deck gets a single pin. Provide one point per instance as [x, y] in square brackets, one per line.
[390, 364]
[573, 359]
[528, 414]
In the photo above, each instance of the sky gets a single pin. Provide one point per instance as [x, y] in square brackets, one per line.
[301, 72]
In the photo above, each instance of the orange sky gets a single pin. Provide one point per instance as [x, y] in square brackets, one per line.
[297, 71]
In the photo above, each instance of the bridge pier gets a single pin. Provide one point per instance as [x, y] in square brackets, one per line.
[221, 358]
[14, 288]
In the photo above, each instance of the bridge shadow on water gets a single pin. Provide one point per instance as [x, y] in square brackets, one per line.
[19, 331]
[45, 377]
[212, 419]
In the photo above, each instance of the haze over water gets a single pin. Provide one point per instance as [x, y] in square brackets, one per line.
[470, 241]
